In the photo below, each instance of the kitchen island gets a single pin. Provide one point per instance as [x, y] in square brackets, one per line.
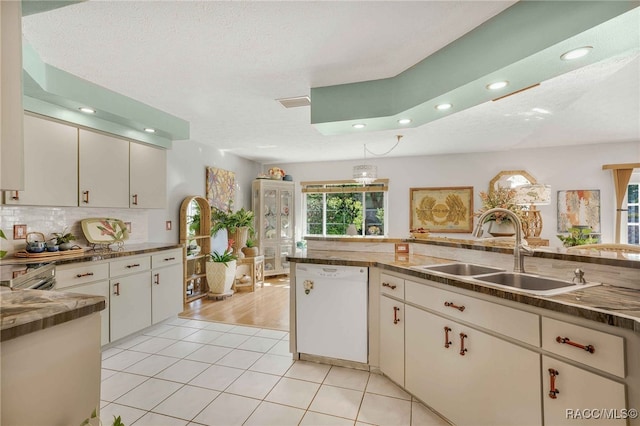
[51, 356]
[494, 337]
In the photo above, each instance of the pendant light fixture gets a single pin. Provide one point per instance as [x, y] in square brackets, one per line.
[365, 173]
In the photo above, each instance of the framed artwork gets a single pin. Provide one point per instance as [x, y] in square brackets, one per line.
[579, 208]
[441, 209]
[221, 187]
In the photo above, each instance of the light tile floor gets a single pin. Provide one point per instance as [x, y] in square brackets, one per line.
[190, 372]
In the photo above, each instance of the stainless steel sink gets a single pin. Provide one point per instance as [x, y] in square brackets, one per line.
[465, 269]
[532, 283]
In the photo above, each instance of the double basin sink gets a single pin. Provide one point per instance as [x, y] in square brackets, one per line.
[528, 283]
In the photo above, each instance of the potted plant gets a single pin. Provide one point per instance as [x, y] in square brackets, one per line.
[63, 239]
[221, 271]
[250, 249]
[578, 236]
[3, 253]
[504, 198]
[239, 224]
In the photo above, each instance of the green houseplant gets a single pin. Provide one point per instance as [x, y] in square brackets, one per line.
[63, 239]
[578, 236]
[250, 249]
[221, 271]
[3, 253]
[239, 225]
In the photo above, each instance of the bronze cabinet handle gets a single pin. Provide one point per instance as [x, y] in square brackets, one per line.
[589, 348]
[553, 391]
[135, 199]
[447, 342]
[391, 286]
[395, 315]
[463, 350]
[116, 289]
[85, 197]
[166, 259]
[135, 265]
[451, 305]
[86, 274]
[156, 280]
[16, 195]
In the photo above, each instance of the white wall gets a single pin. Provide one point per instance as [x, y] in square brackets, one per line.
[564, 168]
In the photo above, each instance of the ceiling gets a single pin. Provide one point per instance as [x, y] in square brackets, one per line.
[221, 66]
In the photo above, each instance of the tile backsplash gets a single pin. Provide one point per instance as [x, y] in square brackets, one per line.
[56, 219]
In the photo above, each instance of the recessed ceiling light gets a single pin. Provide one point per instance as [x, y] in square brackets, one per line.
[87, 110]
[149, 130]
[497, 85]
[576, 53]
[404, 121]
[443, 107]
[359, 126]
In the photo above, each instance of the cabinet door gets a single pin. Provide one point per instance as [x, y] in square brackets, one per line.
[578, 389]
[148, 186]
[269, 215]
[130, 304]
[51, 165]
[286, 213]
[100, 288]
[166, 293]
[269, 252]
[477, 380]
[392, 339]
[104, 170]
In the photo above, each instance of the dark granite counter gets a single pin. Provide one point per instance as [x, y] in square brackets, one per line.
[25, 311]
[616, 306]
[91, 255]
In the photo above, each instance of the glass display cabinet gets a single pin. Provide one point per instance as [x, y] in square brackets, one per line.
[272, 203]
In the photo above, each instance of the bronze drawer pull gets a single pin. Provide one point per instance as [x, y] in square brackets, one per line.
[589, 348]
[395, 315]
[553, 391]
[166, 259]
[447, 342]
[87, 274]
[451, 305]
[462, 348]
[16, 195]
[391, 286]
[135, 265]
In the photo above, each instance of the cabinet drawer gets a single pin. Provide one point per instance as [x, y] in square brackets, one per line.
[74, 274]
[601, 350]
[166, 258]
[129, 265]
[393, 286]
[520, 325]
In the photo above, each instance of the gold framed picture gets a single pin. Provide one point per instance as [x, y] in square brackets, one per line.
[441, 209]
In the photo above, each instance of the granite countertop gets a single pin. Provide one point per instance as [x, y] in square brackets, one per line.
[91, 255]
[25, 311]
[616, 306]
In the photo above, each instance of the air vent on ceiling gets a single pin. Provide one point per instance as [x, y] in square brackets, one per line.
[298, 101]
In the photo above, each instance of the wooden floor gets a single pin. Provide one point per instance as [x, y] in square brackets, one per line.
[267, 307]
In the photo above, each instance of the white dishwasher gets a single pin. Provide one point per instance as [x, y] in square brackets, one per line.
[331, 311]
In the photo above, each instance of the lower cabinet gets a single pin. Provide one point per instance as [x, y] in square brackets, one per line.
[166, 293]
[470, 377]
[392, 339]
[130, 304]
[100, 288]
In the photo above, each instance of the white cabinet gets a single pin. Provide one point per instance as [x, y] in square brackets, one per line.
[87, 278]
[272, 203]
[130, 304]
[166, 288]
[51, 166]
[11, 146]
[103, 170]
[148, 186]
[571, 393]
[468, 376]
[392, 339]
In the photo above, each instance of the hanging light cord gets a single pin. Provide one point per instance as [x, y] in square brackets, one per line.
[384, 153]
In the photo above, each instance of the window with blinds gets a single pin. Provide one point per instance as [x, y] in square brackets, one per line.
[339, 208]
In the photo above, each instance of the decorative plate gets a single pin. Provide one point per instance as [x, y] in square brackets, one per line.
[104, 230]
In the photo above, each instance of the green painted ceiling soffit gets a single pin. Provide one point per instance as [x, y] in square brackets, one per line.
[55, 93]
[522, 45]
[31, 7]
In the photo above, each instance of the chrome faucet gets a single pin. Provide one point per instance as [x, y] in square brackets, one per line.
[519, 249]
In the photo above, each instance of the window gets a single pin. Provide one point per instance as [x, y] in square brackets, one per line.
[633, 224]
[331, 207]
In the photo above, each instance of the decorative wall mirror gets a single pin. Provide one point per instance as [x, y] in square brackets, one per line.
[511, 179]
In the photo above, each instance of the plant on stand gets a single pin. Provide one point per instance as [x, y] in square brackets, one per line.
[63, 239]
[239, 224]
[504, 198]
[221, 271]
[578, 235]
[250, 249]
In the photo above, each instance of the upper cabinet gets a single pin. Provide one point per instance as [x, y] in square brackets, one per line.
[51, 166]
[103, 170]
[148, 177]
[11, 147]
